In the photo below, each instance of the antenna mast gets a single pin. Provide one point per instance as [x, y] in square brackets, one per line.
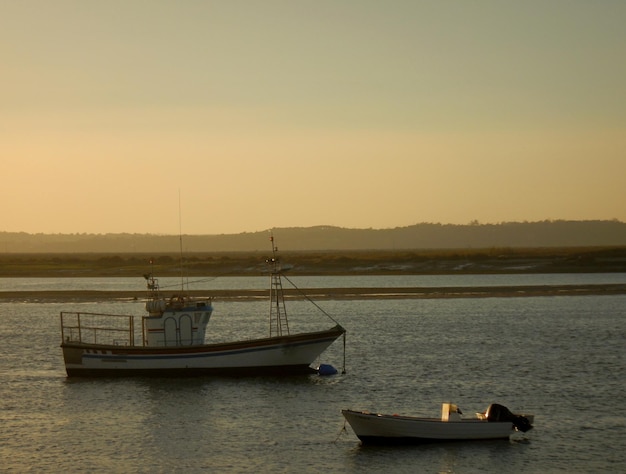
[279, 324]
[180, 240]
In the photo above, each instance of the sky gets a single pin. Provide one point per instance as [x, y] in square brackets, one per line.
[219, 117]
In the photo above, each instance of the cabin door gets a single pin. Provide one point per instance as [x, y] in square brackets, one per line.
[170, 332]
[186, 330]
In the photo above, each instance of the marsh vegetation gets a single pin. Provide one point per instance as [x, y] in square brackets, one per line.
[447, 261]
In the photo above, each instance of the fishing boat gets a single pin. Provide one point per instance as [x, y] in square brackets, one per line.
[497, 422]
[172, 336]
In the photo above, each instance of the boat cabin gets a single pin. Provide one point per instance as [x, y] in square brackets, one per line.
[177, 321]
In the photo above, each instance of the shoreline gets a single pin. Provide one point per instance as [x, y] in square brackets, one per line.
[328, 293]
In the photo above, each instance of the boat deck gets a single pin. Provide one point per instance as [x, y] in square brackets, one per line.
[97, 328]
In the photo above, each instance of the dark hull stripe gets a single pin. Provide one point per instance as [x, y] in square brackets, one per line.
[147, 355]
[279, 371]
[385, 440]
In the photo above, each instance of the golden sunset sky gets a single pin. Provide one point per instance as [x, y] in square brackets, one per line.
[280, 113]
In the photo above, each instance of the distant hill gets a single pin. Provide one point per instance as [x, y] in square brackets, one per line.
[542, 234]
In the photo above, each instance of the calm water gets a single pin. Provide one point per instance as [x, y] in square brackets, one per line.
[561, 358]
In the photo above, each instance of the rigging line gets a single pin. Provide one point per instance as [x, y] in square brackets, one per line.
[329, 317]
[188, 283]
[203, 280]
[191, 282]
[310, 300]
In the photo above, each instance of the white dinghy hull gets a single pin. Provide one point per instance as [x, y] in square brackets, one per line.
[374, 428]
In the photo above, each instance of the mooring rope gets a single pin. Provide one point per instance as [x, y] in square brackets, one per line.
[343, 371]
[341, 431]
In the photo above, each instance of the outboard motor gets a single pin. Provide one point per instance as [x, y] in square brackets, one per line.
[497, 412]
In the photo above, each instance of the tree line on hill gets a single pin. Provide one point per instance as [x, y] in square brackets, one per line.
[558, 233]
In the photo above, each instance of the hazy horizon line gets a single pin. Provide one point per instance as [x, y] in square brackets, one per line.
[473, 223]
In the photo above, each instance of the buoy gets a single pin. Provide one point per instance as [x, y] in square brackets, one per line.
[326, 369]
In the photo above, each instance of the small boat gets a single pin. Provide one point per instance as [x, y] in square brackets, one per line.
[497, 422]
[172, 338]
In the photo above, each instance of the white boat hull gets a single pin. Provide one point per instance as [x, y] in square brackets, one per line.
[277, 355]
[373, 428]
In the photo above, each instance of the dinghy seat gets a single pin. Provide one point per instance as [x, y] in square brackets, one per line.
[450, 412]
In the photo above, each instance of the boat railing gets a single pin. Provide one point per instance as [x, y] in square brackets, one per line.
[97, 328]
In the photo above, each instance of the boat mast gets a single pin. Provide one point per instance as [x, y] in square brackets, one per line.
[279, 324]
[180, 240]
